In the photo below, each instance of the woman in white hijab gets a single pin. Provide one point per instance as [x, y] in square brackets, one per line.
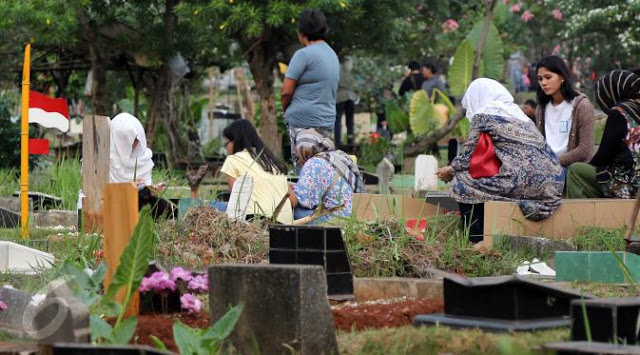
[529, 173]
[129, 156]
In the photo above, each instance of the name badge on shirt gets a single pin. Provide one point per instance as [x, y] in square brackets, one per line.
[564, 126]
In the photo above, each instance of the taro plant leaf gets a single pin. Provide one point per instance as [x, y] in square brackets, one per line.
[397, 118]
[123, 332]
[422, 115]
[460, 72]
[158, 343]
[100, 329]
[99, 274]
[224, 326]
[134, 261]
[492, 51]
[186, 339]
[440, 97]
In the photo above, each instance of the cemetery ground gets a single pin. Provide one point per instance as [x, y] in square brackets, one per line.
[377, 248]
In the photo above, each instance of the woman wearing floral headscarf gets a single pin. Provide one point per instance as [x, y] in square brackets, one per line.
[328, 177]
[529, 174]
[615, 169]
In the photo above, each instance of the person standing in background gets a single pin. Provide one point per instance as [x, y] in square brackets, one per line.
[413, 81]
[345, 102]
[311, 81]
[431, 80]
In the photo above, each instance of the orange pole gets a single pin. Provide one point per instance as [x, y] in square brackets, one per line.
[24, 146]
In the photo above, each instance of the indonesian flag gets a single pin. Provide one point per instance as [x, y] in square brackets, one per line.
[48, 112]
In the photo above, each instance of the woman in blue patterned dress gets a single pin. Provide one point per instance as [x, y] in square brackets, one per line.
[530, 174]
[328, 177]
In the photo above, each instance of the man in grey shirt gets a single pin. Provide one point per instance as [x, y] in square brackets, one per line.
[311, 81]
[431, 80]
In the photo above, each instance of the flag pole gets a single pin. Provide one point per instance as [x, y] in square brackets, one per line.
[24, 146]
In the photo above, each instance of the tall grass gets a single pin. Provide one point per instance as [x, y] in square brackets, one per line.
[63, 178]
[9, 182]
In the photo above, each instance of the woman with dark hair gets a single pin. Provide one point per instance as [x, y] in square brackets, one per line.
[311, 81]
[248, 155]
[564, 116]
[615, 169]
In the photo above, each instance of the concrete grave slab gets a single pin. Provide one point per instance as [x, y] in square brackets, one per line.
[54, 218]
[285, 307]
[16, 258]
[9, 219]
[61, 317]
[13, 204]
[55, 317]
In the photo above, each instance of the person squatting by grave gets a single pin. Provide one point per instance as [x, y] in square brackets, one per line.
[614, 171]
[311, 81]
[248, 155]
[130, 161]
[529, 174]
[564, 116]
[328, 177]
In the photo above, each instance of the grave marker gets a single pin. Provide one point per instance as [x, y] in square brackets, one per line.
[425, 178]
[285, 307]
[120, 216]
[95, 168]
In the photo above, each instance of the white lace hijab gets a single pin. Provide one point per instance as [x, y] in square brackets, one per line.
[490, 97]
[125, 162]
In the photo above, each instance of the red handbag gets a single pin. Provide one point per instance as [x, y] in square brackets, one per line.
[484, 162]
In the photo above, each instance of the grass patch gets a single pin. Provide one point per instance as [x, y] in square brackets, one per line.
[598, 239]
[606, 290]
[444, 340]
[385, 249]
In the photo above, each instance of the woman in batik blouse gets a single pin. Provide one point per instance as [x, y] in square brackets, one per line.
[529, 175]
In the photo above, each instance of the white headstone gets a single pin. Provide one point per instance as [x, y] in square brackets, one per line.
[425, 173]
[16, 258]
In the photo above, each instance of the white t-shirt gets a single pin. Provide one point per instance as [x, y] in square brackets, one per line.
[557, 125]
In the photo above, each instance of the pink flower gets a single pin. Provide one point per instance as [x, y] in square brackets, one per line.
[526, 16]
[556, 50]
[449, 26]
[180, 273]
[199, 283]
[3, 306]
[514, 8]
[158, 281]
[557, 14]
[190, 303]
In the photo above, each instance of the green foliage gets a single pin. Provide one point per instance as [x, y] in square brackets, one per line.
[422, 115]
[460, 72]
[371, 154]
[397, 118]
[205, 341]
[492, 52]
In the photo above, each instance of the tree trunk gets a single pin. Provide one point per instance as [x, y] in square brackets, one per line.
[262, 62]
[99, 98]
[489, 4]
[245, 93]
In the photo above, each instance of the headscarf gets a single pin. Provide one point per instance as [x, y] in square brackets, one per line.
[309, 144]
[124, 160]
[490, 97]
[620, 88]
